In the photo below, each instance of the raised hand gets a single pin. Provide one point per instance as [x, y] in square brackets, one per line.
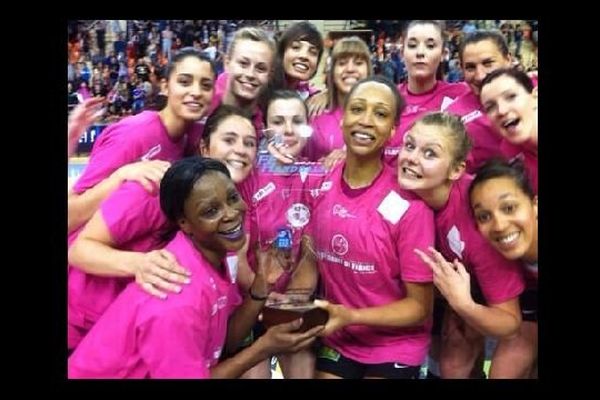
[451, 279]
[317, 104]
[82, 116]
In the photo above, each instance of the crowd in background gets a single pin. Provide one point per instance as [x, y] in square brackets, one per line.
[130, 70]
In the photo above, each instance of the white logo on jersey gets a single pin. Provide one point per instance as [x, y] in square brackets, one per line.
[303, 171]
[232, 265]
[339, 244]
[341, 212]
[217, 353]
[471, 116]
[393, 207]
[446, 102]
[326, 186]
[151, 153]
[222, 302]
[298, 215]
[456, 245]
[263, 192]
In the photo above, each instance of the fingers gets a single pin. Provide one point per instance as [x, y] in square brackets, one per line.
[289, 326]
[427, 260]
[150, 289]
[173, 264]
[460, 268]
[324, 304]
[444, 266]
[158, 282]
[277, 151]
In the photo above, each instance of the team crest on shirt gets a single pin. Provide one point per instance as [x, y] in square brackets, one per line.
[151, 153]
[455, 242]
[298, 215]
[339, 244]
[446, 102]
[341, 212]
[325, 186]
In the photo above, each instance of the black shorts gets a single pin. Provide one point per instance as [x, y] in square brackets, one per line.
[330, 361]
[528, 302]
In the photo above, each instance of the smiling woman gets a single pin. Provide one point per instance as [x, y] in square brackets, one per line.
[506, 210]
[510, 100]
[184, 336]
[363, 228]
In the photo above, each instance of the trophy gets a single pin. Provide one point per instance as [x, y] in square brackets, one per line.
[292, 305]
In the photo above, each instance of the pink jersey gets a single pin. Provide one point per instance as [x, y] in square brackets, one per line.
[485, 139]
[140, 137]
[437, 99]
[141, 336]
[134, 219]
[280, 201]
[529, 158]
[457, 237]
[327, 134]
[364, 240]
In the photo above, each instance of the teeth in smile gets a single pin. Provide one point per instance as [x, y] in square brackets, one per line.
[509, 238]
[234, 230]
[236, 164]
[302, 67]
[410, 172]
[363, 136]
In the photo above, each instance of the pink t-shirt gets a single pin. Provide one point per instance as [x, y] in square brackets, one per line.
[280, 200]
[141, 336]
[529, 158]
[140, 137]
[327, 134]
[457, 237]
[364, 240]
[134, 219]
[436, 99]
[485, 139]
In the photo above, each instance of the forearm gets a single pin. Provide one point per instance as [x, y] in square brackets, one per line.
[489, 321]
[100, 259]
[244, 318]
[403, 313]
[241, 322]
[244, 360]
[81, 207]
